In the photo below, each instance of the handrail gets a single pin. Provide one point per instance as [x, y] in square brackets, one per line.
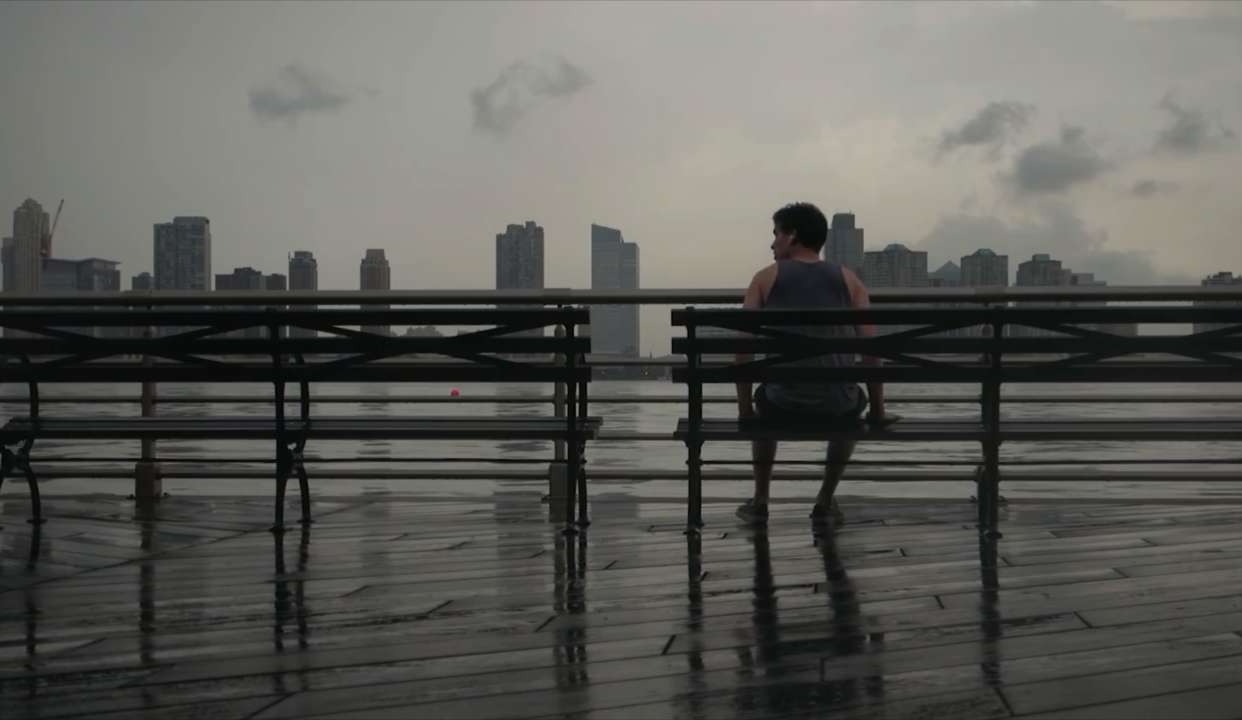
[644, 296]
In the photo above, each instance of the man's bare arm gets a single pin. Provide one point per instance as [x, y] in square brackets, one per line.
[756, 295]
[860, 298]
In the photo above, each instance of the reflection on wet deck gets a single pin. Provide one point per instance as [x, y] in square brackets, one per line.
[395, 608]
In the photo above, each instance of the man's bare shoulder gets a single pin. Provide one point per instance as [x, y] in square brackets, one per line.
[765, 275]
[760, 285]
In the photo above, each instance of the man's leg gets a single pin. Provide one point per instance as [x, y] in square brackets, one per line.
[839, 452]
[763, 455]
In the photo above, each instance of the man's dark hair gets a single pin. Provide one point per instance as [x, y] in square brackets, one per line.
[805, 221]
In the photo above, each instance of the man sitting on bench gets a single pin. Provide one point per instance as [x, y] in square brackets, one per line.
[799, 279]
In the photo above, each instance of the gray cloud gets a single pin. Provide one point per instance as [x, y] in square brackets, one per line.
[1055, 229]
[995, 123]
[1051, 167]
[295, 92]
[1148, 187]
[500, 105]
[1189, 132]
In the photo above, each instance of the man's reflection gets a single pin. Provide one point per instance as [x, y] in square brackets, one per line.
[849, 631]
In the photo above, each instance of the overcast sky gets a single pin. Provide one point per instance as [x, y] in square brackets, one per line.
[1106, 134]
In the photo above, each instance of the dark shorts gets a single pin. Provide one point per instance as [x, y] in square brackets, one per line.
[773, 413]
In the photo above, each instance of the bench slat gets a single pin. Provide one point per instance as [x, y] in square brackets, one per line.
[344, 428]
[956, 430]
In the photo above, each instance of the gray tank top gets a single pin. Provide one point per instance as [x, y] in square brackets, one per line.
[814, 285]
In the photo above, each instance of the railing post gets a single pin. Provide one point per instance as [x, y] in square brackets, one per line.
[148, 485]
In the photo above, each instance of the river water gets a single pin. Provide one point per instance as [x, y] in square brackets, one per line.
[618, 456]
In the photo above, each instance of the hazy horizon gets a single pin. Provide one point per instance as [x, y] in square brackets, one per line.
[1105, 134]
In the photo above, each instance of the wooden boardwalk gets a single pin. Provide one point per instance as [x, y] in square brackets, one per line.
[399, 608]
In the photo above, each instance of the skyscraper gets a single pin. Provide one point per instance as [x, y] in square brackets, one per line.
[845, 243]
[984, 268]
[303, 275]
[374, 274]
[183, 254]
[614, 266]
[895, 266]
[23, 253]
[303, 271]
[519, 257]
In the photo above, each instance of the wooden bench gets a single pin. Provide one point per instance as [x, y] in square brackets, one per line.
[499, 349]
[920, 352]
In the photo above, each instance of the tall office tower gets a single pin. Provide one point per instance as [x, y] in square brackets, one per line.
[24, 251]
[374, 274]
[22, 254]
[1220, 279]
[614, 266]
[303, 275]
[845, 243]
[31, 222]
[895, 266]
[519, 263]
[183, 254]
[519, 257]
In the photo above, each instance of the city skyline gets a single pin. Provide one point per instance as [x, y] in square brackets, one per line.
[1138, 185]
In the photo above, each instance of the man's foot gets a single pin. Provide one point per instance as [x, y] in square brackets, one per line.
[821, 513]
[753, 514]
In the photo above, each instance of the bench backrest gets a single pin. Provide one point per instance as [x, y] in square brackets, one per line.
[965, 345]
[532, 345]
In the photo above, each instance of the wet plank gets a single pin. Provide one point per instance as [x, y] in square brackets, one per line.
[478, 607]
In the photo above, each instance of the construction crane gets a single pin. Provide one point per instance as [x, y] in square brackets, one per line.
[45, 248]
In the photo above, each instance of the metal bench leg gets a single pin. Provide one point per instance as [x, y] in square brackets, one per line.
[694, 501]
[36, 505]
[583, 519]
[571, 491]
[21, 461]
[573, 461]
